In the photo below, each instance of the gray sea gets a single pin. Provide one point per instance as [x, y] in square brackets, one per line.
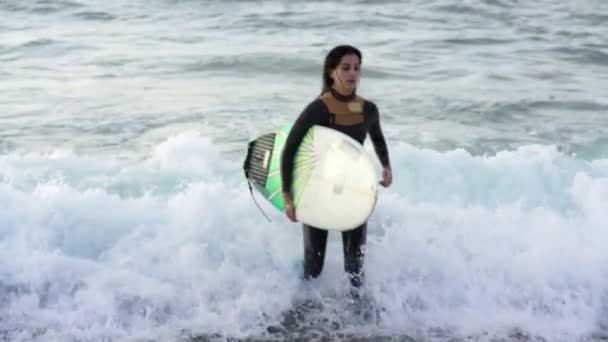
[125, 215]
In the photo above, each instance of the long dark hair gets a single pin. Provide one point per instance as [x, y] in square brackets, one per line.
[332, 60]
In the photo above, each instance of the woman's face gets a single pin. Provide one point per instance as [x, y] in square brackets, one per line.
[346, 74]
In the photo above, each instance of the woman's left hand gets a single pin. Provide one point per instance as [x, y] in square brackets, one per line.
[387, 177]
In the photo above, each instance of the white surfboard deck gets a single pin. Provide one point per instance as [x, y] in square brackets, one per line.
[340, 192]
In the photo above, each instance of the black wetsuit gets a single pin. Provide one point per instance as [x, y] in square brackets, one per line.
[355, 117]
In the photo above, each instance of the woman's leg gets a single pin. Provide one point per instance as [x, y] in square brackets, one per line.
[315, 241]
[353, 242]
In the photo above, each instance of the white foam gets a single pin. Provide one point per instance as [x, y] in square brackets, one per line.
[95, 247]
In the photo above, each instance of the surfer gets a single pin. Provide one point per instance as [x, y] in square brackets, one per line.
[340, 108]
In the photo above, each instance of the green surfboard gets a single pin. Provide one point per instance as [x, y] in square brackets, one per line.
[333, 181]
[263, 165]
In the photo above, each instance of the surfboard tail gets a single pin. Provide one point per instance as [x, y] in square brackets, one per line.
[262, 167]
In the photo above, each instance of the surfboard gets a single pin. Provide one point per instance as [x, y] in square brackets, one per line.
[334, 184]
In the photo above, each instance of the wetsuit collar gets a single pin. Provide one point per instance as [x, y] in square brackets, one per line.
[341, 97]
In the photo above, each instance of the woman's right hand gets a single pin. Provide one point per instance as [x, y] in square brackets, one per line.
[290, 211]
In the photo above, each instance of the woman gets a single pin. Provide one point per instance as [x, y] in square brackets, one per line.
[339, 108]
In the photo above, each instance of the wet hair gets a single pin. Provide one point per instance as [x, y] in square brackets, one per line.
[332, 60]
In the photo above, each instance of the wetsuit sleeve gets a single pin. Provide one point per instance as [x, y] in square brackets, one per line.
[314, 114]
[377, 137]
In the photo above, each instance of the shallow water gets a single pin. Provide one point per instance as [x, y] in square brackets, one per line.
[124, 214]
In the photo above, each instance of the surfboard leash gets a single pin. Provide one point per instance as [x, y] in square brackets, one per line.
[256, 202]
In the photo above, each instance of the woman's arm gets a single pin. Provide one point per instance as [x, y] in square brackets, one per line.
[313, 114]
[377, 137]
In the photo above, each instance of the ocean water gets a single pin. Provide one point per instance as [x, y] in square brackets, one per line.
[125, 216]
